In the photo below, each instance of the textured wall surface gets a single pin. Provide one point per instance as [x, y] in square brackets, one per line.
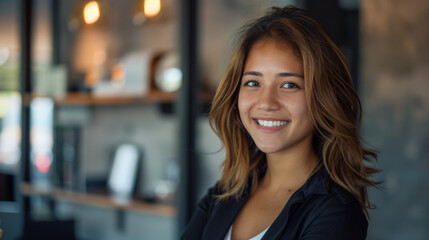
[395, 96]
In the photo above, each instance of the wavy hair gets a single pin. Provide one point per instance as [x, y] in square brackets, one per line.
[333, 105]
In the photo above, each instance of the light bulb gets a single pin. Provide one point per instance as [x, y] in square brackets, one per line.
[152, 8]
[91, 12]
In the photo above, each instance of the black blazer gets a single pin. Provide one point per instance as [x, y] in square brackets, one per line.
[313, 212]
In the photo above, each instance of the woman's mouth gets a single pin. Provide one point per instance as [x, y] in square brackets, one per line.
[271, 124]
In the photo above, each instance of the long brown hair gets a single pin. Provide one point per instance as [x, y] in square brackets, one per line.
[333, 105]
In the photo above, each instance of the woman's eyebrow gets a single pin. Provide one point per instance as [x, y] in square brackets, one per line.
[283, 74]
[253, 73]
[289, 74]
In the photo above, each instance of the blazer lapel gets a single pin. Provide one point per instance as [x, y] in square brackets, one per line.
[222, 217]
[278, 226]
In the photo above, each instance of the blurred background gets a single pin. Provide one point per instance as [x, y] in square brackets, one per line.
[103, 110]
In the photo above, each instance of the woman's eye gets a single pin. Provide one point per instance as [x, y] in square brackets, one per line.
[251, 83]
[290, 85]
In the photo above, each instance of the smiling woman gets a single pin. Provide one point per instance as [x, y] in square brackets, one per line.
[271, 99]
[288, 116]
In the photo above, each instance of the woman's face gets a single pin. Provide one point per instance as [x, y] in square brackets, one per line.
[272, 101]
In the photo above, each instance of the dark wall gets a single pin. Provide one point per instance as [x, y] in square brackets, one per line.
[394, 91]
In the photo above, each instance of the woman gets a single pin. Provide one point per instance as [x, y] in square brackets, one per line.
[288, 115]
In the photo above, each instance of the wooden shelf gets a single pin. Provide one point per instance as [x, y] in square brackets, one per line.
[87, 99]
[100, 201]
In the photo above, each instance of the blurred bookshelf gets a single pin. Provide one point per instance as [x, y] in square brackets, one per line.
[88, 99]
[100, 200]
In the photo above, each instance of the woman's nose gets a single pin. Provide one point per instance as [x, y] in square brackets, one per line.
[268, 100]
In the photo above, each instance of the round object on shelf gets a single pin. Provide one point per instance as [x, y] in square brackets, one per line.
[168, 75]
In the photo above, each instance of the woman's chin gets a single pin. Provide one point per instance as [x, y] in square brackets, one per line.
[269, 149]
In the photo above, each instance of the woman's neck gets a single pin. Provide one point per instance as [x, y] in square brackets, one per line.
[289, 170]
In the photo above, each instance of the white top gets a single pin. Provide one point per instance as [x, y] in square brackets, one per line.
[257, 237]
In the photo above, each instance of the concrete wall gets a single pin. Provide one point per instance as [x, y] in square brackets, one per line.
[394, 92]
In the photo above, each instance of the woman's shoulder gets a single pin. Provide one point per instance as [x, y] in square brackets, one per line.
[212, 193]
[215, 189]
[323, 189]
[337, 197]
[341, 204]
[335, 215]
[211, 197]
[323, 196]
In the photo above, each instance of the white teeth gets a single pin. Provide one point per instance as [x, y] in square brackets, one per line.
[271, 123]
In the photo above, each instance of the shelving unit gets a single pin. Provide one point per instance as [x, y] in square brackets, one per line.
[188, 104]
[99, 200]
[87, 99]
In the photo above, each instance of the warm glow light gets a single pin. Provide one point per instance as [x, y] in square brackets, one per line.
[91, 12]
[152, 8]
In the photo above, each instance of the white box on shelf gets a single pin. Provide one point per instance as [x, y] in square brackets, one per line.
[135, 77]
